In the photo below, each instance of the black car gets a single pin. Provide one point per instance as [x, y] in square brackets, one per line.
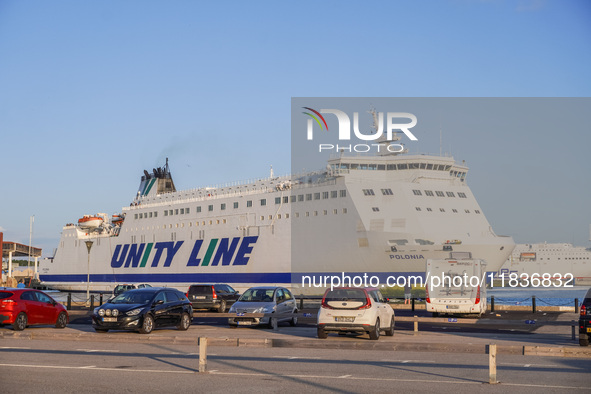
[212, 296]
[143, 310]
[585, 320]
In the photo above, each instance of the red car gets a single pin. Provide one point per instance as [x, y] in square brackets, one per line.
[25, 307]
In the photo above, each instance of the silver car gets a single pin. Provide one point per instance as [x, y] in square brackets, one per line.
[276, 300]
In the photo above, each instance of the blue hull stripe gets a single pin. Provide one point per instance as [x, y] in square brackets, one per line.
[175, 278]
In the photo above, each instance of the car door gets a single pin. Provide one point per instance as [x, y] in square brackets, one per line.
[385, 315]
[280, 302]
[31, 306]
[174, 307]
[47, 309]
[161, 317]
[290, 301]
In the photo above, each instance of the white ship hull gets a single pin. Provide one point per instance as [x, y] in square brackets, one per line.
[276, 230]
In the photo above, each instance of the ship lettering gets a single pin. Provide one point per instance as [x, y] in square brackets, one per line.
[225, 252]
[406, 256]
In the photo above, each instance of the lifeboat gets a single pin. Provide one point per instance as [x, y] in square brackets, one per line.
[117, 220]
[90, 222]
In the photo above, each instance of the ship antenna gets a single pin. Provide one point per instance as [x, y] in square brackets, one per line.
[271, 175]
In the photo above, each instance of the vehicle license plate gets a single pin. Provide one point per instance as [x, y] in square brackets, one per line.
[200, 297]
[244, 323]
[344, 319]
[588, 329]
[109, 319]
[452, 306]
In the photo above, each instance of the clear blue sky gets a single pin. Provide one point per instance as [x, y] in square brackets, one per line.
[92, 93]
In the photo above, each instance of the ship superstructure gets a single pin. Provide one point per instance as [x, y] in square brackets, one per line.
[378, 215]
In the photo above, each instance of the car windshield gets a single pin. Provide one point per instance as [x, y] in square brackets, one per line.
[134, 297]
[257, 295]
[346, 295]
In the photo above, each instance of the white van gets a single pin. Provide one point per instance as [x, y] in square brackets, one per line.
[456, 286]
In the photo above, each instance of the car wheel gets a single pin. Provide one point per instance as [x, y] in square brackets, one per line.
[185, 322]
[390, 330]
[374, 335]
[273, 323]
[101, 330]
[584, 341]
[222, 307]
[147, 325]
[294, 320]
[20, 323]
[62, 320]
[322, 334]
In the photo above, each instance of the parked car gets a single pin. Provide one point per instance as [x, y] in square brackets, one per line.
[143, 310]
[26, 307]
[119, 289]
[585, 320]
[355, 309]
[277, 300]
[212, 296]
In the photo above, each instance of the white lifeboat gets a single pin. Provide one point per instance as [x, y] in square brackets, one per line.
[117, 219]
[90, 222]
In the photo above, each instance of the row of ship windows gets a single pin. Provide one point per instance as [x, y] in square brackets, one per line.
[388, 192]
[224, 221]
[262, 202]
[443, 210]
[404, 166]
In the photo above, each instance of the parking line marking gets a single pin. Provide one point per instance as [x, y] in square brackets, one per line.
[97, 350]
[14, 347]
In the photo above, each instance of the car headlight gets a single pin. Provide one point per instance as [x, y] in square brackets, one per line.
[101, 312]
[115, 312]
[108, 312]
[134, 312]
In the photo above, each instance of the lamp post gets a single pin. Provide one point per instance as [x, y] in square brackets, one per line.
[88, 246]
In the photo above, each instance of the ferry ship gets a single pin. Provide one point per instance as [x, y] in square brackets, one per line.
[381, 215]
[570, 263]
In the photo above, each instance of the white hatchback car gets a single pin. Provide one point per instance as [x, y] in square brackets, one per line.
[355, 309]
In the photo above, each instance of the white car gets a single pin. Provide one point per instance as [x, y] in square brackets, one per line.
[355, 309]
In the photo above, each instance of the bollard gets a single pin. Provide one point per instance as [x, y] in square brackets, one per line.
[412, 301]
[573, 325]
[92, 302]
[69, 302]
[202, 343]
[492, 303]
[577, 306]
[101, 298]
[492, 364]
[301, 302]
[416, 325]
[533, 304]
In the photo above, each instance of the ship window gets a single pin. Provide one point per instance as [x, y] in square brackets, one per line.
[249, 203]
[210, 222]
[429, 166]
[203, 223]
[423, 165]
[375, 209]
[454, 210]
[429, 193]
[477, 211]
[270, 217]
[391, 167]
[187, 210]
[176, 211]
[217, 221]
[155, 214]
[235, 205]
[344, 210]
[354, 166]
[285, 200]
[368, 192]
[263, 202]
[441, 210]
[316, 196]
[450, 194]
[135, 216]
[210, 208]
[429, 210]
[381, 167]
[462, 195]
[372, 167]
[293, 198]
[387, 192]
[413, 166]
[402, 166]
[335, 211]
[345, 166]
[309, 197]
[417, 192]
[447, 168]
[182, 211]
[324, 195]
[198, 209]
[297, 214]
[277, 200]
[325, 212]
[417, 208]
[300, 197]
[439, 194]
[333, 194]
[343, 193]
[170, 212]
[223, 206]
[307, 214]
[150, 214]
[315, 213]
[467, 210]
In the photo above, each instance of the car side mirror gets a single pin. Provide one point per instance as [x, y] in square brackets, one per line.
[159, 302]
